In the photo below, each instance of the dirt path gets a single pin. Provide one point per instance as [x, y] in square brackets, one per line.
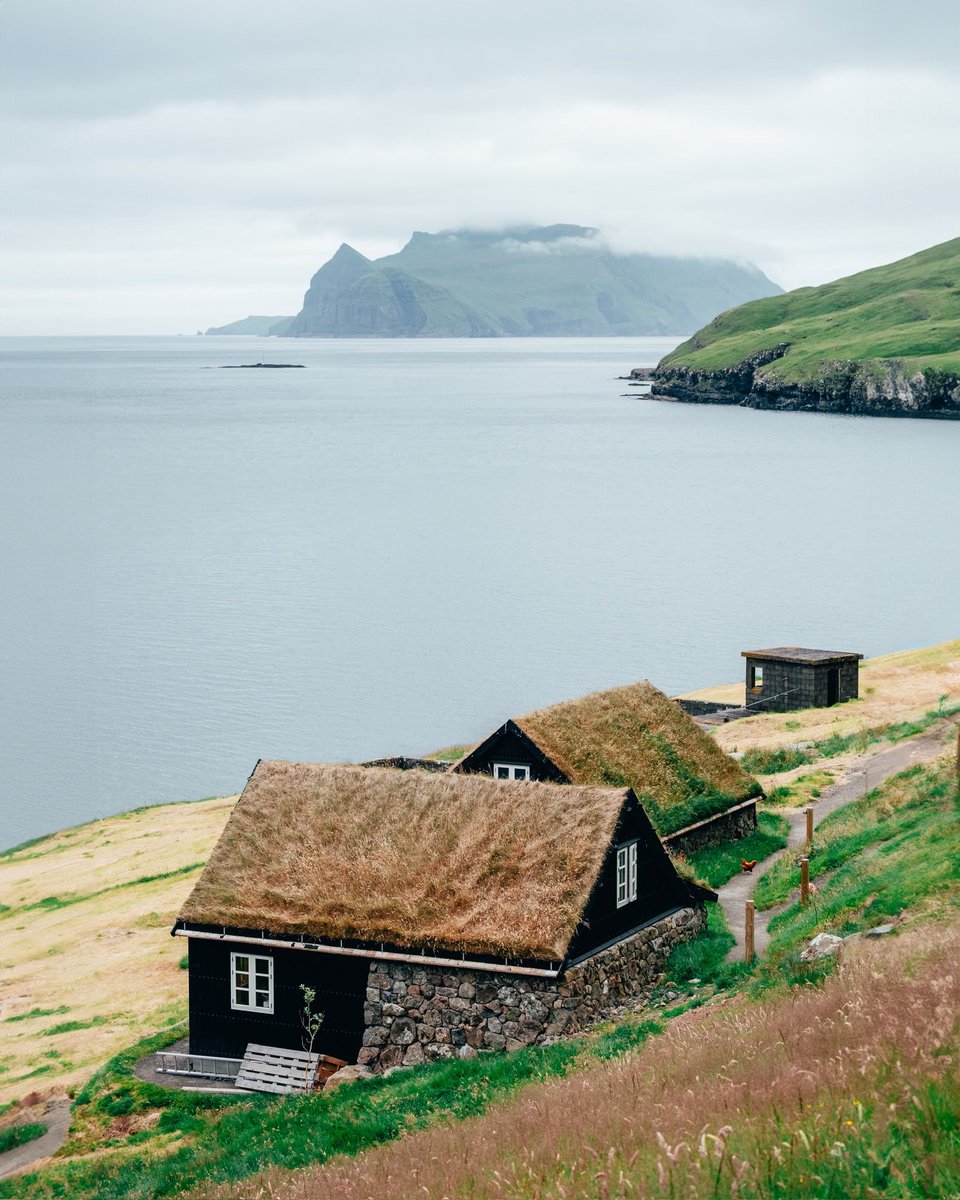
[21, 1158]
[866, 772]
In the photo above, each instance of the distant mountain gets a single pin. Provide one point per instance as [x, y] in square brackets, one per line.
[255, 326]
[557, 281]
[884, 342]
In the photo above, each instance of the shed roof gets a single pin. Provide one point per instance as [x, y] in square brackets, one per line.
[635, 736]
[802, 654]
[410, 858]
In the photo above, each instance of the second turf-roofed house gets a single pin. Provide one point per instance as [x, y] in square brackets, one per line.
[635, 736]
[432, 914]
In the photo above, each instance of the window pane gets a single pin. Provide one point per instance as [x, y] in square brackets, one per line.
[241, 996]
[503, 772]
[263, 1000]
[241, 962]
[243, 979]
[523, 772]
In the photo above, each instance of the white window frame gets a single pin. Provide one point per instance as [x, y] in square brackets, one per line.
[514, 771]
[254, 972]
[626, 874]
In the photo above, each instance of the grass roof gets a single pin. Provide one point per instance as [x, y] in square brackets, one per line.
[411, 858]
[637, 737]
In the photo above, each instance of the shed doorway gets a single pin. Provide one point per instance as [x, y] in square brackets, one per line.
[833, 685]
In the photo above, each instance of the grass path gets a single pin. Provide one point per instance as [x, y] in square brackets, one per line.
[862, 774]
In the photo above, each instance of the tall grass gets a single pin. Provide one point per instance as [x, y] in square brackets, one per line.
[846, 1090]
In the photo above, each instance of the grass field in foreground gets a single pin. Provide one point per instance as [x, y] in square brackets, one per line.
[130, 1138]
[849, 1089]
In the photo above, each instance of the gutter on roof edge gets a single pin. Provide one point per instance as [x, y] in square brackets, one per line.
[388, 955]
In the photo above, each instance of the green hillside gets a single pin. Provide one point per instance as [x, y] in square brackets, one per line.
[907, 311]
[561, 280]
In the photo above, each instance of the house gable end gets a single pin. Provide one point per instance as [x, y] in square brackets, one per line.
[510, 744]
[660, 890]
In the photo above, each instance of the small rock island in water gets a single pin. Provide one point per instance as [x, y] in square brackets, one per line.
[250, 366]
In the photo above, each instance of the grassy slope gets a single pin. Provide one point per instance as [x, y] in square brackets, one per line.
[842, 1090]
[907, 310]
[133, 1118]
[86, 964]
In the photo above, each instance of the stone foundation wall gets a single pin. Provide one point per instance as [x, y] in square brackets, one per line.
[414, 1015]
[725, 827]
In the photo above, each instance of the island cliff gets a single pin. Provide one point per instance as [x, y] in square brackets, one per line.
[553, 281]
[885, 342]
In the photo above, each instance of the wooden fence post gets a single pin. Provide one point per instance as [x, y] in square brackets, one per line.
[809, 827]
[748, 934]
[804, 881]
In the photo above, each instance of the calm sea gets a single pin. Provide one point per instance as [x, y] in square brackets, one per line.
[406, 543]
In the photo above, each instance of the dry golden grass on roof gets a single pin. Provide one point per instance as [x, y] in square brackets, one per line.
[409, 858]
[636, 736]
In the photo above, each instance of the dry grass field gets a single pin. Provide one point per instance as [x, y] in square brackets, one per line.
[86, 967]
[893, 688]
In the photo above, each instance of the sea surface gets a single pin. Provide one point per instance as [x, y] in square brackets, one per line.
[406, 543]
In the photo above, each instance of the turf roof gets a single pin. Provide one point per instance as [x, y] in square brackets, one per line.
[410, 858]
[635, 736]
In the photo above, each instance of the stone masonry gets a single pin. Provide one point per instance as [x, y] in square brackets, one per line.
[728, 826]
[415, 1014]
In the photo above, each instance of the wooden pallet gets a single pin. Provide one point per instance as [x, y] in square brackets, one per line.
[273, 1069]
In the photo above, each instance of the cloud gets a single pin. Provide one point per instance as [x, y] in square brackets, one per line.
[186, 159]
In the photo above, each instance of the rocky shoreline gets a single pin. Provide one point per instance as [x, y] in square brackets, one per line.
[877, 388]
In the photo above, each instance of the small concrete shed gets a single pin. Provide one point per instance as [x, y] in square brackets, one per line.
[787, 677]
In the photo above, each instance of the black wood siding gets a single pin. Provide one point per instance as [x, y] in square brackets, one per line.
[216, 1028]
[660, 889]
[510, 745]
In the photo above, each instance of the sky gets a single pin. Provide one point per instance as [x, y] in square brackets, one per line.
[171, 166]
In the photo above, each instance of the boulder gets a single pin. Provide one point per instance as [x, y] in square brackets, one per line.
[822, 946]
[347, 1075]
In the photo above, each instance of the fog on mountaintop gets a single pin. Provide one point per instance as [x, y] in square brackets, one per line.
[168, 165]
[549, 281]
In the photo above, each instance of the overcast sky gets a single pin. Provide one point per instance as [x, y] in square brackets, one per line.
[169, 166]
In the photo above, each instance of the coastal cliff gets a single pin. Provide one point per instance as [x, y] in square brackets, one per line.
[887, 388]
[885, 342]
[549, 281]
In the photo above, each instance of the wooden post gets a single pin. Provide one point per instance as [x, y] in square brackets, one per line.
[809, 827]
[748, 936]
[804, 881]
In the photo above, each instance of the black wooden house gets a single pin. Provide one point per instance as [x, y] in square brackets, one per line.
[432, 913]
[633, 736]
[788, 677]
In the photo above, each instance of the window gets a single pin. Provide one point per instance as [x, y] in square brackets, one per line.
[756, 677]
[251, 982]
[626, 874]
[511, 771]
